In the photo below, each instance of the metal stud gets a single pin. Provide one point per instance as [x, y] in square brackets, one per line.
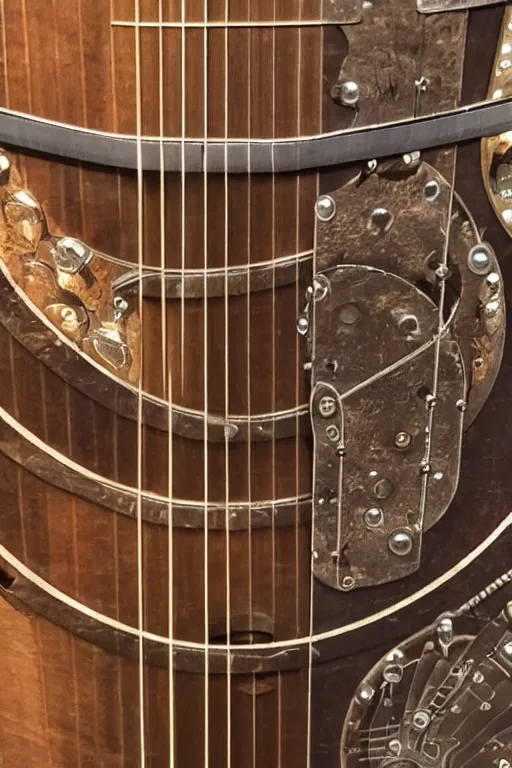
[350, 93]
[333, 433]
[71, 255]
[432, 190]
[365, 693]
[348, 583]
[403, 440]
[400, 542]
[302, 325]
[383, 488]
[5, 169]
[373, 517]
[395, 746]
[421, 719]
[327, 407]
[507, 650]
[478, 678]
[325, 208]
[393, 673]
[493, 281]
[480, 259]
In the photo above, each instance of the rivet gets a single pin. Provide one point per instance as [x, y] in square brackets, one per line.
[327, 407]
[479, 259]
[456, 709]
[442, 272]
[365, 693]
[432, 190]
[478, 678]
[381, 220]
[325, 208]
[485, 706]
[462, 405]
[491, 308]
[373, 517]
[507, 649]
[383, 488]
[5, 169]
[421, 719]
[350, 93]
[302, 325]
[393, 673]
[333, 433]
[68, 315]
[120, 304]
[230, 431]
[395, 746]
[410, 326]
[505, 64]
[507, 215]
[400, 543]
[371, 166]
[350, 314]
[348, 583]
[403, 440]
[493, 281]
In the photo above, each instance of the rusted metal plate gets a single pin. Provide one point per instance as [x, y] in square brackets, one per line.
[435, 6]
[385, 468]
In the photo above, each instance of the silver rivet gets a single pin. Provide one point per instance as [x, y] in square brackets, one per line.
[493, 281]
[491, 308]
[5, 169]
[120, 304]
[302, 325]
[393, 673]
[507, 649]
[505, 64]
[421, 719]
[373, 517]
[403, 440]
[507, 215]
[350, 314]
[395, 746]
[348, 583]
[327, 407]
[462, 405]
[325, 208]
[479, 259]
[381, 220]
[350, 93]
[365, 693]
[432, 190]
[371, 166]
[395, 655]
[71, 255]
[485, 706]
[333, 433]
[442, 271]
[400, 543]
[478, 678]
[383, 488]
[410, 326]
[456, 709]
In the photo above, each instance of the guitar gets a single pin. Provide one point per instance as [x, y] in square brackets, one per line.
[254, 414]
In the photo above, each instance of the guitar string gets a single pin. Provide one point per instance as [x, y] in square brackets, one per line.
[206, 393]
[140, 252]
[313, 357]
[227, 388]
[274, 369]
[167, 382]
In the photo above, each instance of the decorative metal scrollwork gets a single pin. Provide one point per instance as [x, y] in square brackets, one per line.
[405, 323]
[442, 698]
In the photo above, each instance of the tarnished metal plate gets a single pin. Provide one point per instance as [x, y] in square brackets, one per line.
[441, 698]
[406, 323]
[385, 470]
[435, 6]
[342, 11]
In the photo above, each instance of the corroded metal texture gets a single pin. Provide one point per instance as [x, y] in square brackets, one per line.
[441, 697]
[405, 348]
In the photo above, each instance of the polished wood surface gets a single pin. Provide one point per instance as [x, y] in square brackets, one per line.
[67, 702]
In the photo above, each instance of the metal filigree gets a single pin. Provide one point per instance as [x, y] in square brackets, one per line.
[442, 699]
[406, 332]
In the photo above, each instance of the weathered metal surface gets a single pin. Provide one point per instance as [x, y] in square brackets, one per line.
[342, 11]
[421, 322]
[404, 65]
[442, 695]
[389, 471]
[436, 6]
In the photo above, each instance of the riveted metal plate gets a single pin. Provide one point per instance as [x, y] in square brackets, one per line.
[370, 455]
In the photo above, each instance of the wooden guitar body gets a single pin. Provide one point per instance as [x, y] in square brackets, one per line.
[255, 384]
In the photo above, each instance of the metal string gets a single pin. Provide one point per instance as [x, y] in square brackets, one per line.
[140, 253]
[226, 388]
[205, 388]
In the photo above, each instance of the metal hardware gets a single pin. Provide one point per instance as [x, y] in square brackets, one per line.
[444, 709]
[388, 495]
[71, 255]
[325, 208]
[435, 6]
[257, 156]
[349, 93]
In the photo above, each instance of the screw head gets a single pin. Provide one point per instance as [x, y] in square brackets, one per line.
[327, 407]
[348, 583]
[302, 325]
[373, 517]
[421, 719]
[71, 255]
[333, 433]
[365, 693]
[325, 208]
[395, 746]
[393, 673]
[350, 93]
[479, 259]
[403, 440]
[383, 488]
[400, 542]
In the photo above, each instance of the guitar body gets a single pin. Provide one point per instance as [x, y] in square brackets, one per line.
[255, 384]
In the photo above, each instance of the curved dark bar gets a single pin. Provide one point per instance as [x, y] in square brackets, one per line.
[476, 121]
